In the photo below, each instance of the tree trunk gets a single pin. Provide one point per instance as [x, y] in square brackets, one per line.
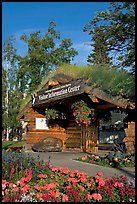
[7, 100]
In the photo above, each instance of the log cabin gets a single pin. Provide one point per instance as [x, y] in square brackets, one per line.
[60, 92]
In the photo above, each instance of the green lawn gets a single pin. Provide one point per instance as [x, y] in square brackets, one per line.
[7, 144]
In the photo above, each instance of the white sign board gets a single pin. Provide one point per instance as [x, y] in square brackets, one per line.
[41, 124]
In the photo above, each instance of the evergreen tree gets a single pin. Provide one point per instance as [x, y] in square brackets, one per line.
[118, 25]
[100, 52]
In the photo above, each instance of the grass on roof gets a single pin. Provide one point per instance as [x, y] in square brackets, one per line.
[117, 82]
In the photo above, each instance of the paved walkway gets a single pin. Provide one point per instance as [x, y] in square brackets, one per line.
[65, 159]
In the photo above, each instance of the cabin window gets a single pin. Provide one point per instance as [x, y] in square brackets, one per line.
[113, 129]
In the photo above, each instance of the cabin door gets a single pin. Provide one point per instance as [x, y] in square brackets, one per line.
[89, 138]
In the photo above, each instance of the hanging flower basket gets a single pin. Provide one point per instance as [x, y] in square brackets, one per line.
[83, 114]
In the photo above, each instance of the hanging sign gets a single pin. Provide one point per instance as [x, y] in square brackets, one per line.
[41, 124]
[64, 91]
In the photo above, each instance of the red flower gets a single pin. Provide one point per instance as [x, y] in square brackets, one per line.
[54, 193]
[42, 176]
[64, 198]
[120, 185]
[15, 189]
[99, 173]
[25, 188]
[45, 197]
[101, 182]
[39, 196]
[97, 196]
[91, 161]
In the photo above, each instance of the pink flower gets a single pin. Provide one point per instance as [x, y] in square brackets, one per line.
[120, 185]
[92, 180]
[91, 161]
[89, 197]
[69, 187]
[42, 176]
[12, 171]
[99, 173]
[52, 185]
[54, 169]
[76, 171]
[97, 196]
[60, 168]
[73, 180]
[109, 191]
[72, 175]
[83, 179]
[88, 184]
[101, 182]
[66, 171]
[77, 199]
[81, 188]
[15, 189]
[54, 193]
[5, 182]
[39, 196]
[45, 197]
[11, 185]
[64, 198]
[38, 187]
[25, 188]
[21, 182]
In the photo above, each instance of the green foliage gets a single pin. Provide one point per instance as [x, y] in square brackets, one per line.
[112, 159]
[113, 80]
[100, 53]
[8, 144]
[118, 26]
[54, 114]
[26, 73]
[9, 85]
[44, 55]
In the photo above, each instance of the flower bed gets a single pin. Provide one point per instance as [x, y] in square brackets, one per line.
[113, 159]
[34, 181]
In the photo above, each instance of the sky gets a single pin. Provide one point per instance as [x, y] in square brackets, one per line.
[70, 18]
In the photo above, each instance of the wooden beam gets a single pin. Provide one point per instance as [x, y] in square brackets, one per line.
[93, 98]
[115, 100]
[105, 106]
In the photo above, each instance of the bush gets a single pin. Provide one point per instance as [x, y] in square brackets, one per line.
[113, 159]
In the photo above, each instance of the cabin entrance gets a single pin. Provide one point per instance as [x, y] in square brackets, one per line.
[89, 138]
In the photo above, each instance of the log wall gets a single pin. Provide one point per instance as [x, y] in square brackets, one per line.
[130, 137]
[70, 136]
[74, 138]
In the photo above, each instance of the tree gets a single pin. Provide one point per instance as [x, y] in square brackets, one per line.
[43, 56]
[24, 73]
[118, 25]
[9, 86]
[100, 52]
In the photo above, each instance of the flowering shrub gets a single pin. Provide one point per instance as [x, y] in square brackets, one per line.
[113, 159]
[83, 114]
[14, 165]
[63, 185]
